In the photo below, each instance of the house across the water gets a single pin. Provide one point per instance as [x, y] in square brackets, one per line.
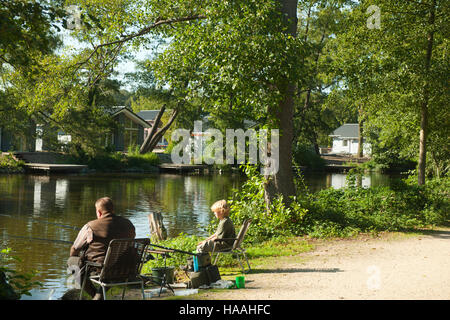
[345, 140]
[129, 132]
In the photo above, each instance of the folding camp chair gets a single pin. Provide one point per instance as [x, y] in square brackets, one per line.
[236, 249]
[122, 265]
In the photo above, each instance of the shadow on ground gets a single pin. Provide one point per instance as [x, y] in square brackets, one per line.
[296, 270]
[440, 234]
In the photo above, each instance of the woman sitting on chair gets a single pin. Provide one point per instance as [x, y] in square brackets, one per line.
[225, 229]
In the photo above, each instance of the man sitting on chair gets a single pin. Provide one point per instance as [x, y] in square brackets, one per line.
[93, 239]
[225, 229]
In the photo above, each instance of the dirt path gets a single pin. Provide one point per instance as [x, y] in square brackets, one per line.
[390, 267]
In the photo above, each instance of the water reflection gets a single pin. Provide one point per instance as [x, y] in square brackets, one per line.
[318, 181]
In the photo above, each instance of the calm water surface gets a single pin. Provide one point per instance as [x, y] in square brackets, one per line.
[35, 208]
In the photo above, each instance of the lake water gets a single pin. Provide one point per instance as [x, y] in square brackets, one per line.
[35, 209]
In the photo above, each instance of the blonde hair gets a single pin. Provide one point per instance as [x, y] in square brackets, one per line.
[221, 206]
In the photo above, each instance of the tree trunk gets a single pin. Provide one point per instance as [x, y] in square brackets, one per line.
[159, 134]
[360, 152]
[423, 143]
[144, 147]
[282, 182]
[424, 107]
[157, 229]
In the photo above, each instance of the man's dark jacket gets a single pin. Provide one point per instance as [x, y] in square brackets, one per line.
[104, 230]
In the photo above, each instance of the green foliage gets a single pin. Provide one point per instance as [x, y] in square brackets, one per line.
[401, 72]
[306, 156]
[118, 161]
[26, 28]
[146, 161]
[20, 282]
[401, 206]
[182, 242]
[8, 164]
[343, 212]
[249, 203]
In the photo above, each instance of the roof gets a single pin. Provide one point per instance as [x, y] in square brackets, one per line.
[148, 115]
[347, 130]
[136, 118]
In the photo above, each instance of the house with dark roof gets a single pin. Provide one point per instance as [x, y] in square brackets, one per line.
[129, 132]
[345, 140]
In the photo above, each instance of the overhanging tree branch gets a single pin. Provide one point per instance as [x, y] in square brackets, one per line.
[142, 32]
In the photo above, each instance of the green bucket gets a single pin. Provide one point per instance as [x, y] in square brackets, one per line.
[240, 282]
[158, 274]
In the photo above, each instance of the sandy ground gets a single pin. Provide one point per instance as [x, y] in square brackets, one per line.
[390, 267]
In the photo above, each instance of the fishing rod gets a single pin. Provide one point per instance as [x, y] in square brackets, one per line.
[68, 242]
[43, 221]
[175, 250]
[40, 239]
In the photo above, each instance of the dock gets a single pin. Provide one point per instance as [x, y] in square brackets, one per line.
[54, 168]
[180, 168]
[338, 168]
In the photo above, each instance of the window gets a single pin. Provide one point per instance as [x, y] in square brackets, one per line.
[130, 134]
[344, 143]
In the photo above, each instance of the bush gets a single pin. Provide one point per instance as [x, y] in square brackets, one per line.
[398, 207]
[9, 165]
[182, 242]
[118, 161]
[306, 156]
[145, 161]
[342, 212]
[14, 284]
[249, 203]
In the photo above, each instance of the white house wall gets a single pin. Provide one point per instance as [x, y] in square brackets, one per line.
[351, 147]
[39, 131]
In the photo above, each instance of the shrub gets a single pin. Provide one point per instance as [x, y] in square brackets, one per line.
[342, 212]
[118, 161]
[249, 203]
[400, 206]
[306, 156]
[183, 242]
[9, 165]
[15, 283]
[145, 161]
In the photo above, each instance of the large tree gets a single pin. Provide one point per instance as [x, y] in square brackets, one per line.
[241, 55]
[316, 116]
[245, 58]
[398, 68]
[27, 32]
